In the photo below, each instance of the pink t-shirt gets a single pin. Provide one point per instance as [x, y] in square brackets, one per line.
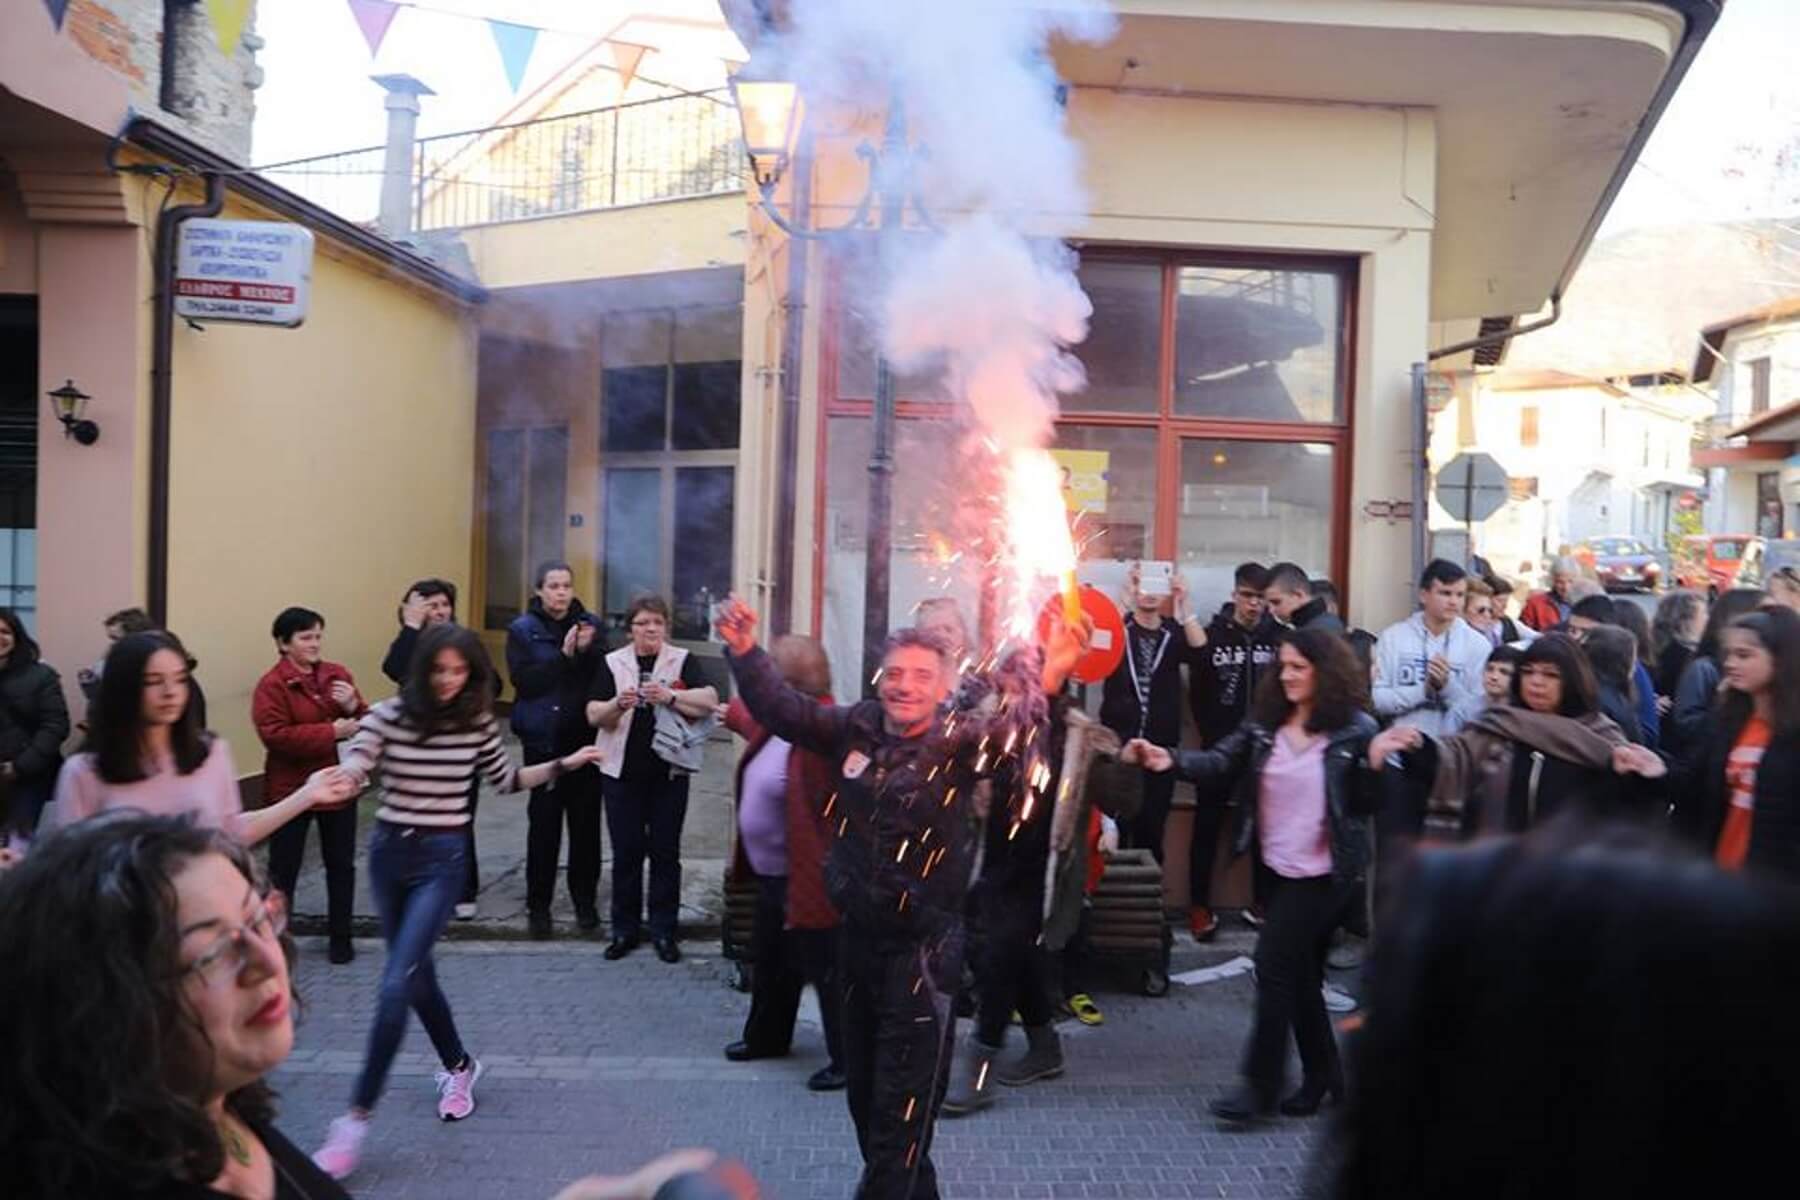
[211, 792]
[1290, 810]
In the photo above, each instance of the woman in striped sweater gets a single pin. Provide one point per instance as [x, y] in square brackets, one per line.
[431, 742]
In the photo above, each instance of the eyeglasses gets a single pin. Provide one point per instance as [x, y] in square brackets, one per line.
[227, 957]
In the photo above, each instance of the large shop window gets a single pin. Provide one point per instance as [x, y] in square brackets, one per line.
[670, 409]
[527, 487]
[1263, 502]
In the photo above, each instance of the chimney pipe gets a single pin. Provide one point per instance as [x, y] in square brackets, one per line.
[403, 92]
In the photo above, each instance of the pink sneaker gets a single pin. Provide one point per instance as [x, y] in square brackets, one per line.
[343, 1146]
[456, 1091]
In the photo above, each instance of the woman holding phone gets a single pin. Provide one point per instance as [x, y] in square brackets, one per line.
[645, 800]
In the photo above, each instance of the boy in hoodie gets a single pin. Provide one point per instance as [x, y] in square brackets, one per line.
[1240, 646]
[1431, 663]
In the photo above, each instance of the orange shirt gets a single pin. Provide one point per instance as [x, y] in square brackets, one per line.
[1740, 779]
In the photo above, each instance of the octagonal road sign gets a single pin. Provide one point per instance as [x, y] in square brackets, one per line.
[1471, 487]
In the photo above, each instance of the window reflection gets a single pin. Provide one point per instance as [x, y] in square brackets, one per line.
[1258, 343]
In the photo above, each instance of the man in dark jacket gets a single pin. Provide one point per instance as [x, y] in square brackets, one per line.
[1142, 697]
[898, 869]
[1240, 646]
[551, 652]
[1289, 596]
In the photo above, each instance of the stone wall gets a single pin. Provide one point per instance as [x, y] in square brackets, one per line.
[213, 97]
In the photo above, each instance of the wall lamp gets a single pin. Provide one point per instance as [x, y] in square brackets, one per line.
[71, 403]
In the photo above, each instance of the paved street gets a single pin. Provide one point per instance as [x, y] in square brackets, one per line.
[596, 1066]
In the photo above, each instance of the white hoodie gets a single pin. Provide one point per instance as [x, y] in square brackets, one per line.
[1401, 655]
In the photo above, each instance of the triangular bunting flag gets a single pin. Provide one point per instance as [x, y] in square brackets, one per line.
[373, 17]
[58, 8]
[229, 18]
[626, 56]
[515, 43]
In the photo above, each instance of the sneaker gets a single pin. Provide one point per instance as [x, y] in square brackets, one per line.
[343, 1146]
[1085, 1010]
[1337, 1000]
[466, 910]
[1346, 954]
[456, 1090]
[1203, 923]
[1253, 916]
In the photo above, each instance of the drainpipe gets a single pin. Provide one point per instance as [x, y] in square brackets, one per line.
[403, 92]
[793, 342]
[162, 381]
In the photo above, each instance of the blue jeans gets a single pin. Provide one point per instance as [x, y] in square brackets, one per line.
[416, 876]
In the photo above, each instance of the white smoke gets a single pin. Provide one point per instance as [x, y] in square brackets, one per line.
[992, 301]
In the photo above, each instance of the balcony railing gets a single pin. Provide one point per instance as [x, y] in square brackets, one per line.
[669, 148]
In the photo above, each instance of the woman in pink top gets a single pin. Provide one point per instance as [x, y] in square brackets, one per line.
[149, 752]
[1299, 773]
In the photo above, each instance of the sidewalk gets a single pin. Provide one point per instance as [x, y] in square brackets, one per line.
[500, 826]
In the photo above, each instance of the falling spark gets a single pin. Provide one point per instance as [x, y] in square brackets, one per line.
[830, 803]
[843, 824]
[1014, 831]
[981, 1078]
[905, 844]
[911, 1104]
[917, 984]
[949, 796]
[902, 907]
[912, 1152]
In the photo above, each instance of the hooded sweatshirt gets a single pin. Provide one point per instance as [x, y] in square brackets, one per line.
[1401, 656]
[1223, 674]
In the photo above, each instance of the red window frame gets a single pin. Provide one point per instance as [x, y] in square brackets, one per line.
[1171, 427]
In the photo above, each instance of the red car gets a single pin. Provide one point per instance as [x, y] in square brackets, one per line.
[1621, 564]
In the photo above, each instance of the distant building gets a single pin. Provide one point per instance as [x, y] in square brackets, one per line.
[1752, 363]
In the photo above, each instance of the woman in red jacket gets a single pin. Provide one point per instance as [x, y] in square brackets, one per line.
[302, 708]
[782, 793]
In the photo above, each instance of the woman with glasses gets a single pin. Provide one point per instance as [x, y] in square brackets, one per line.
[430, 743]
[147, 997]
[644, 796]
[149, 750]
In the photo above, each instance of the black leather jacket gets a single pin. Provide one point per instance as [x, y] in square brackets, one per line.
[1350, 792]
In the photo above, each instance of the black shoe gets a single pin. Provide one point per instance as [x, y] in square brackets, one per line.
[587, 918]
[1306, 1101]
[667, 950]
[745, 1052]
[541, 928]
[619, 947]
[826, 1079]
[341, 951]
[1243, 1103]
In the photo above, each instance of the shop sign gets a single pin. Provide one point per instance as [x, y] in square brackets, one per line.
[253, 272]
[1083, 478]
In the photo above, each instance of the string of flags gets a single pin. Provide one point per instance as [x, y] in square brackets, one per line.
[514, 40]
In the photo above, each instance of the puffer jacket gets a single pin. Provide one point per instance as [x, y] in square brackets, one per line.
[1350, 792]
[549, 713]
[34, 720]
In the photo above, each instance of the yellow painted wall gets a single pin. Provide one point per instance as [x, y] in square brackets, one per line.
[326, 466]
[673, 235]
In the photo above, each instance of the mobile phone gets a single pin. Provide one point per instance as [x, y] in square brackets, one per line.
[1155, 578]
[644, 679]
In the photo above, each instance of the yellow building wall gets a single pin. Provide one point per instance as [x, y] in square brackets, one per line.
[649, 239]
[326, 466]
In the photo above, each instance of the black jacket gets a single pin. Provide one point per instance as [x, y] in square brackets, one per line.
[1669, 666]
[1701, 796]
[1223, 674]
[1119, 708]
[1314, 615]
[550, 689]
[1350, 788]
[34, 720]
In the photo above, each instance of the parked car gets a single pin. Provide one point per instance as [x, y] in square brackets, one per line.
[1717, 562]
[1621, 564]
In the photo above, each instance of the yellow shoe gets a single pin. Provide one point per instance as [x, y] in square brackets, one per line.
[1085, 1010]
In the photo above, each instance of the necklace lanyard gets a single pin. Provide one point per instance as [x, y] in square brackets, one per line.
[1137, 682]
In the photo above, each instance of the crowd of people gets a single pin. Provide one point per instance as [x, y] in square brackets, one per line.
[897, 846]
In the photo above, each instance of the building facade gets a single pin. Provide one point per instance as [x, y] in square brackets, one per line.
[1752, 363]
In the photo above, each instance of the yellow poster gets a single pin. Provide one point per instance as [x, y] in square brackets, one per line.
[229, 18]
[1083, 478]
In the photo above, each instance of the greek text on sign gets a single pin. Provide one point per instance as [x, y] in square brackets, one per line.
[258, 272]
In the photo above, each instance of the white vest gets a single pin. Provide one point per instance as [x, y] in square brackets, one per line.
[623, 663]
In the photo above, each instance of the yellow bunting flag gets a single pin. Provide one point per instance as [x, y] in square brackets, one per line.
[229, 18]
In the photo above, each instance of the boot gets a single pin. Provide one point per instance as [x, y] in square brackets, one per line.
[971, 1078]
[1042, 1059]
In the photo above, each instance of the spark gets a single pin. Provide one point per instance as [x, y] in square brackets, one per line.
[912, 1153]
[905, 845]
[843, 824]
[830, 803]
[902, 907]
[949, 796]
[981, 1079]
[911, 1104]
[1014, 831]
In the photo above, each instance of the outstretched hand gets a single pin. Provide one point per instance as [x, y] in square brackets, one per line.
[1631, 759]
[1393, 741]
[587, 756]
[1148, 755]
[1067, 644]
[736, 625]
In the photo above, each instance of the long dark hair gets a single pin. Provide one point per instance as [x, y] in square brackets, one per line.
[1546, 1013]
[471, 706]
[1340, 685]
[118, 716]
[103, 1062]
[25, 648]
[1613, 656]
[1778, 629]
[1727, 608]
[1580, 693]
[1632, 620]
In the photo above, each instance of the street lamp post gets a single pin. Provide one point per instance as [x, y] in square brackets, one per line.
[767, 109]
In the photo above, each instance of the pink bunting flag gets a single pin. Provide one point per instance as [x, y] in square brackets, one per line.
[626, 56]
[373, 17]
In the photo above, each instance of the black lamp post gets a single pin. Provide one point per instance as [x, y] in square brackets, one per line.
[70, 403]
[768, 109]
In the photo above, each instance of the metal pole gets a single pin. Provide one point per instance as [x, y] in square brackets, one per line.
[889, 178]
[1421, 469]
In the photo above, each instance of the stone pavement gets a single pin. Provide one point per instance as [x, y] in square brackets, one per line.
[500, 825]
[596, 1066]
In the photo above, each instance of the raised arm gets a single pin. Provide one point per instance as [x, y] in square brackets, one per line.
[784, 711]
